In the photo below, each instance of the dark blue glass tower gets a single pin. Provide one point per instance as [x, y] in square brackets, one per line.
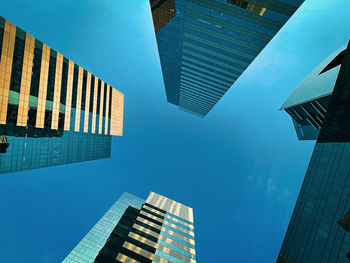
[205, 45]
[319, 230]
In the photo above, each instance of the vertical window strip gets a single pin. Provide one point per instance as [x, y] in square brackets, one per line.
[16, 77]
[17, 61]
[93, 125]
[35, 82]
[107, 109]
[64, 81]
[110, 109]
[98, 105]
[87, 102]
[63, 95]
[69, 96]
[57, 92]
[23, 105]
[104, 100]
[75, 86]
[2, 27]
[92, 90]
[101, 107]
[104, 109]
[8, 45]
[83, 92]
[78, 101]
[44, 71]
[50, 89]
[74, 96]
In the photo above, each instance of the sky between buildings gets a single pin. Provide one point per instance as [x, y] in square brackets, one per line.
[240, 168]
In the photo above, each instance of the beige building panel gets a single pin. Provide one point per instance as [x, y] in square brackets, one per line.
[177, 244]
[101, 108]
[174, 234]
[8, 45]
[143, 240]
[26, 77]
[167, 230]
[149, 223]
[44, 72]
[170, 206]
[57, 92]
[94, 109]
[67, 116]
[165, 239]
[154, 210]
[79, 95]
[151, 216]
[117, 113]
[107, 109]
[87, 103]
[179, 228]
[160, 247]
[178, 221]
[125, 259]
[160, 237]
[145, 230]
[144, 253]
[175, 254]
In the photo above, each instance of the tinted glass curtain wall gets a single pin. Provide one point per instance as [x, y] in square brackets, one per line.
[134, 230]
[319, 230]
[308, 103]
[50, 113]
[205, 45]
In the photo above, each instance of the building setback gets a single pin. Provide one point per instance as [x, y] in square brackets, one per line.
[134, 230]
[52, 111]
[308, 103]
[319, 230]
[205, 45]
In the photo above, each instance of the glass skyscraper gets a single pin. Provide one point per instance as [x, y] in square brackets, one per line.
[134, 230]
[319, 228]
[52, 111]
[205, 45]
[308, 103]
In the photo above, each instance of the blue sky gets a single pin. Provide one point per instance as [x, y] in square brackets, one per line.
[240, 168]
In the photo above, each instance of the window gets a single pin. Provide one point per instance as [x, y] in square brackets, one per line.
[250, 7]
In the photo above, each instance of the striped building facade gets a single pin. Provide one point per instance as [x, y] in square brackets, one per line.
[205, 45]
[52, 111]
[134, 230]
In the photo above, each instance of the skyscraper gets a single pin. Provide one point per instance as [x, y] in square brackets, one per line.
[205, 45]
[52, 111]
[134, 230]
[308, 103]
[319, 228]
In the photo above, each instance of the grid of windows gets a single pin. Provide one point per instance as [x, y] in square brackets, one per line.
[137, 236]
[44, 94]
[88, 248]
[205, 45]
[7, 49]
[316, 230]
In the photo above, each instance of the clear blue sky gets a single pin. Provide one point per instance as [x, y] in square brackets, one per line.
[240, 168]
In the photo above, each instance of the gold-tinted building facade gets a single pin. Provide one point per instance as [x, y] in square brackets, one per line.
[45, 95]
[156, 230]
